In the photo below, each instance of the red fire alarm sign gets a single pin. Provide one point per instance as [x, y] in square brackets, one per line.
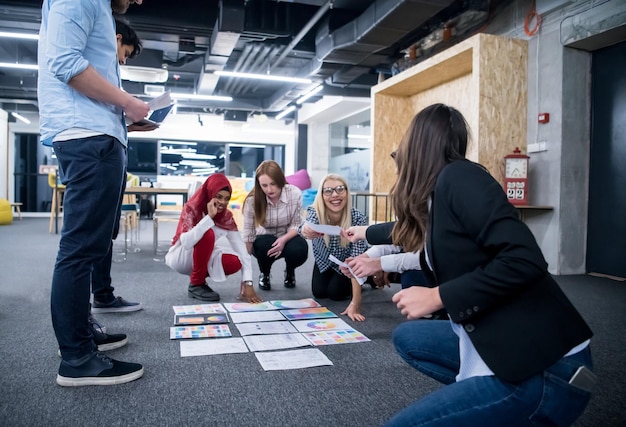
[544, 117]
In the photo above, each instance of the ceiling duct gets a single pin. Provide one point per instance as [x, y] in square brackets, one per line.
[363, 43]
[224, 38]
[367, 40]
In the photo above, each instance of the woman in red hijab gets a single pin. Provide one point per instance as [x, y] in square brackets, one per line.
[205, 218]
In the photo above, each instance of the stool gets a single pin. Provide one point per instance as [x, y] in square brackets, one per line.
[167, 213]
[18, 209]
[155, 231]
[56, 207]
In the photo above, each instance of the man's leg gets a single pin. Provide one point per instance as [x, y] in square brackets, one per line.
[92, 171]
[104, 301]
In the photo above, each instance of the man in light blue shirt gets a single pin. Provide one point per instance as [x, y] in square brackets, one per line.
[82, 111]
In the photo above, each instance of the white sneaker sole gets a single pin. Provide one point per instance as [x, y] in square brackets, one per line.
[79, 382]
[107, 347]
[113, 345]
[124, 309]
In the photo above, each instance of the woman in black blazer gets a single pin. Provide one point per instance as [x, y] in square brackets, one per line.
[515, 351]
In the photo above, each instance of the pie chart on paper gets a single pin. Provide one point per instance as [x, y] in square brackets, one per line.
[321, 325]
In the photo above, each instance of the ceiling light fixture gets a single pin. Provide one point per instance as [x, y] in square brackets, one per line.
[285, 112]
[143, 74]
[309, 94]
[19, 66]
[19, 36]
[20, 117]
[162, 141]
[283, 79]
[197, 97]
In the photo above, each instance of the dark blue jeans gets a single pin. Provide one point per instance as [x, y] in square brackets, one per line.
[412, 278]
[101, 276]
[93, 172]
[545, 399]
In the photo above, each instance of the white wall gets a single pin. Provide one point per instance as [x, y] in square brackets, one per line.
[318, 117]
[4, 156]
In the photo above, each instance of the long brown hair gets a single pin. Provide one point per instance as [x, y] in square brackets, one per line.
[322, 212]
[436, 136]
[273, 170]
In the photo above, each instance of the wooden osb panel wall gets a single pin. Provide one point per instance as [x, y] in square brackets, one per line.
[392, 116]
[461, 94]
[503, 83]
[484, 77]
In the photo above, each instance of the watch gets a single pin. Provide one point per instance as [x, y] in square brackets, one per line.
[248, 282]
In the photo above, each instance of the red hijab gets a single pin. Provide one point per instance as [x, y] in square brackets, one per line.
[195, 209]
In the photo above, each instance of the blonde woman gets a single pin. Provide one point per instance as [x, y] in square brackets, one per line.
[271, 216]
[332, 206]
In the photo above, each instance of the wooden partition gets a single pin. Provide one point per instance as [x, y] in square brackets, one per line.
[484, 77]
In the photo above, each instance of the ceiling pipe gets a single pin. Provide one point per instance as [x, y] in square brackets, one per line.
[318, 15]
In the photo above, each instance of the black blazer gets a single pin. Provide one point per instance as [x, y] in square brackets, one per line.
[493, 278]
[379, 234]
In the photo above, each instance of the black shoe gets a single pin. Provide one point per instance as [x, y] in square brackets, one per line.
[118, 305]
[107, 342]
[264, 282]
[97, 369]
[94, 323]
[290, 279]
[203, 292]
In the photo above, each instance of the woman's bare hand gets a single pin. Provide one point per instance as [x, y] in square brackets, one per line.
[354, 313]
[247, 294]
[355, 233]
[211, 208]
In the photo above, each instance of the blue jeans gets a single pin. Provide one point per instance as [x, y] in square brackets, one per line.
[545, 399]
[93, 172]
[412, 278]
[101, 276]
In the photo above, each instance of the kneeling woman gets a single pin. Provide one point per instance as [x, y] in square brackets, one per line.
[271, 216]
[205, 218]
[332, 206]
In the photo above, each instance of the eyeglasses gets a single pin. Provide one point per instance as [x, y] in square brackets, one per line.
[328, 191]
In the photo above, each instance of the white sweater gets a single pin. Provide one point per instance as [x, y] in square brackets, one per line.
[180, 256]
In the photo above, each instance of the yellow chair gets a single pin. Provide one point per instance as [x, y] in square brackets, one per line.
[6, 212]
[130, 206]
[56, 207]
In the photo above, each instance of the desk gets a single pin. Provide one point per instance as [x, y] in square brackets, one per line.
[522, 209]
[150, 191]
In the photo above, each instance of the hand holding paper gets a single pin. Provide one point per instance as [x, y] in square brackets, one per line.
[160, 107]
[332, 230]
[334, 259]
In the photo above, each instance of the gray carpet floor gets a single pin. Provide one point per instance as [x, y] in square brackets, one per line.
[366, 385]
